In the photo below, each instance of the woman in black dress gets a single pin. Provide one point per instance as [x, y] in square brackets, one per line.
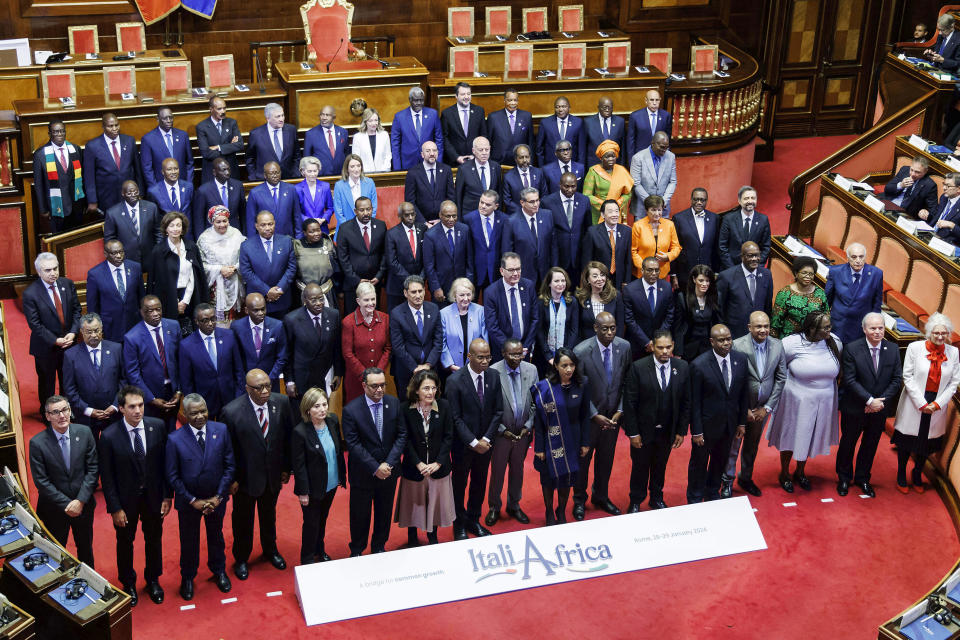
[559, 316]
[697, 310]
[176, 274]
[597, 293]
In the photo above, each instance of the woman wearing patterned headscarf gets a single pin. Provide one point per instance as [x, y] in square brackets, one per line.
[219, 247]
[608, 181]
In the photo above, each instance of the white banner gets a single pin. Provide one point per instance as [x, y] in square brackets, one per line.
[408, 578]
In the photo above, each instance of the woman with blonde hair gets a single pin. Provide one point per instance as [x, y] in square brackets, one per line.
[372, 143]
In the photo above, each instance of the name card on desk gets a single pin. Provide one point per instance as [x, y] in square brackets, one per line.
[918, 142]
[822, 270]
[941, 246]
[907, 224]
[842, 182]
[953, 163]
[889, 321]
[874, 204]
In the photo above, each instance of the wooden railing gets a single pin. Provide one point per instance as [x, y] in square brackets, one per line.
[713, 115]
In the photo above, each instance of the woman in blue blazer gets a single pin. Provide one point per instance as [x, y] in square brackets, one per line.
[316, 200]
[343, 195]
[452, 319]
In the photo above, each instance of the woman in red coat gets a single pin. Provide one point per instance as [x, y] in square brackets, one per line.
[366, 340]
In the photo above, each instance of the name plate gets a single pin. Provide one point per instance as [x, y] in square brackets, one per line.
[822, 270]
[842, 182]
[918, 142]
[906, 224]
[889, 321]
[953, 163]
[874, 204]
[941, 246]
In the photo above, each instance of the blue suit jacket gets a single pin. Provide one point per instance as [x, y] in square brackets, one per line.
[319, 207]
[286, 212]
[923, 195]
[536, 254]
[486, 260]
[208, 195]
[218, 385]
[950, 214]
[849, 305]
[640, 321]
[441, 267]
[568, 239]
[468, 187]
[594, 136]
[734, 297]
[193, 472]
[400, 261]
[426, 199]
[694, 252]
[118, 314]
[549, 135]
[496, 314]
[315, 144]
[513, 185]
[153, 151]
[159, 193]
[451, 353]
[951, 53]
[502, 140]
[343, 204]
[141, 360]
[261, 274]
[407, 344]
[366, 448]
[552, 173]
[404, 143]
[84, 386]
[102, 177]
[260, 151]
[273, 346]
[639, 134]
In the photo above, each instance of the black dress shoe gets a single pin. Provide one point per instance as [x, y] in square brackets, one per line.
[155, 591]
[518, 515]
[223, 582]
[750, 487]
[478, 529]
[186, 589]
[843, 488]
[492, 517]
[786, 483]
[726, 489]
[606, 505]
[459, 533]
[132, 592]
[578, 511]
[355, 554]
[633, 508]
[323, 557]
[277, 560]
[867, 489]
[561, 515]
[241, 570]
[803, 481]
[658, 504]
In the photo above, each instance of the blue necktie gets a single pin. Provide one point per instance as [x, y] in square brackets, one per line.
[651, 299]
[483, 178]
[433, 181]
[416, 125]
[173, 198]
[269, 249]
[138, 449]
[224, 196]
[856, 283]
[276, 199]
[96, 359]
[761, 357]
[517, 397]
[212, 350]
[608, 365]
[169, 143]
[453, 246]
[276, 143]
[65, 449]
[420, 332]
[378, 419]
[663, 377]
[121, 288]
[517, 332]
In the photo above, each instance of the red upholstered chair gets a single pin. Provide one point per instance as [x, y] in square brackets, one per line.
[660, 58]
[326, 25]
[947, 457]
[862, 231]
[388, 199]
[118, 80]
[82, 39]
[894, 260]
[58, 83]
[938, 180]
[570, 17]
[460, 22]
[781, 272]
[218, 71]
[131, 36]
[463, 61]
[571, 59]
[703, 58]
[831, 226]
[518, 61]
[951, 308]
[535, 19]
[922, 295]
[498, 21]
[175, 76]
[616, 56]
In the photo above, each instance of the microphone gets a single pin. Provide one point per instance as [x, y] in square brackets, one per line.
[259, 72]
[334, 56]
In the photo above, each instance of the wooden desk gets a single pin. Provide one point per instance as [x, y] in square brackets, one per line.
[490, 56]
[904, 153]
[901, 83]
[384, 89]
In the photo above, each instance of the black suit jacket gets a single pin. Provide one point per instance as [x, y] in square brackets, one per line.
[309, 354]
[401, 262]
[356, 262]
[472, 419]
[56, 486]
[260, 460]
[454, 142]
[715, 410]
[42, 318]
[734, 297]
[861, 382]
[208, 136]
[366, 448]
[923, 193]
[641, 322]
[693, 251]
[122, 475]
[643, 397]
[731, 237]
[309, 460]
[596, 246]
[208, 195]
[424, 198]
[467, 188]
[117, 225]
[427, 447]
[163, 269]
[65, 179]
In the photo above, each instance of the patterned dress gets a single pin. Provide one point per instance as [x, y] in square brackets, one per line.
[790, 308]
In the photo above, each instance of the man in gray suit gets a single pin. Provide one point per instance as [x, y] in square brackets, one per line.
[605, 360]
[654, 172]
[513, 434]
[766, 373]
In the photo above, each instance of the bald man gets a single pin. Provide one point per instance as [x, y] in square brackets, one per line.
[277, 197]
[476, 175]
[428, 183]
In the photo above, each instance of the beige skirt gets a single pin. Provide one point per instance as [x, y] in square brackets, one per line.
[425, 504]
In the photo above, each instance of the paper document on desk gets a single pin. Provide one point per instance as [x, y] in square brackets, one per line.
[953, 163]
[795, 246]
[822, 270]
[921, 225]
[842, 182]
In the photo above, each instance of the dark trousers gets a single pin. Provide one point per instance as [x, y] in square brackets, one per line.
[649, 465]
[468, 465]
[241, 519]
[853, 426]
[706, 466]
[189, 519]
[60, 525]
[603, 442]
[152, 525]
[380, 497]
[511, 453]
[747, 452]
[169, 416]
[314, 526]
[49, 368]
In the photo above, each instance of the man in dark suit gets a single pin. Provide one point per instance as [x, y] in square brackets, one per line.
[530, 236]
[165, 142]
[563, 163]
[853, 290]
[447, 254]
[273, 141]
[108, 161]
[262, 340]
[428, 183]
[742, 225]
[656, 405]
[718, 413]
[210, 361]
[571, 219]
[522, 175]
[415, 335]
[200, 468]
[697, 231]
[947, 214]
[268, 265]
[375, 441]
[328, 143]
[114, 290]
[63, 464]
[476, 402]
[486, 230]
[260, 424]
[476, 175]
[52, 311]
[647, 121]
[648, 307]
[871, 381]
[743, 289]
[221, 190]
[508, 127]
[609, 243]
[218, 137]
[601, 126]
[132, 455]
[411, 129]
[280, 199]
[150, 352]
[313, 344]
[92, 375]
[362, 250]
[604, 360]
[912, 189]
[57, 165]
[404, 252]
[462, 123]
[134, 222]
[945, 53]
[510, 309]
[561, 126]
[171, 193]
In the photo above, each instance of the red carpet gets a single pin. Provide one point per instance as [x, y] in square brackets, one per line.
[834, 570]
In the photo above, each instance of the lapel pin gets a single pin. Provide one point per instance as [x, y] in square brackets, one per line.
[316, 446]
[214, 436]
[77, 438]
[149, 428]
[107, 352]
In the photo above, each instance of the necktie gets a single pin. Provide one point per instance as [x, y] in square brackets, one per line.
[416, 125]
[613, 252]
[413, 243]
[263, 420]
[517, 397]
[420, 323]
[483, 178]
[568, 209]
[515, 328]
[480, 387]
[465, 116]
[513, 122]
[746, 229]
[433, 181]
[316, 325]
[135, 217]
[943, 45]
[65, 450]
[761, 358]
[653, 122]
[277, 147]
[450, 241]
[752, 285]
[378, 419]
[876, 358]
[526, 182]
[138, 449]
[268, 247]
[162, 352]
[276, 199]
[663, 377]
[212, 350]
[533, 230]
[651, 298]
[724, 371]
[219, 127]
[173, 198]
[63, 158]
[57, 304]
[566, 168]
[366, 237]
[486, 225]
[563, 129]
[906, 193]
[116, 153]
[257, 340]
[656, 164]
[203, 446]
[169, 143]
[95, 354]
[608, 365]
[121, 287]
[856, 282]
[606, 128]
[224, 196]
[330, 143]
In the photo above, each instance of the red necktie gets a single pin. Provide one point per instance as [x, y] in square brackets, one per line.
[160, 348]
[63, 159]
[116, 153]
[333, 147]
[58, 304]
[366, 238]
[413, 243]
[264, 421]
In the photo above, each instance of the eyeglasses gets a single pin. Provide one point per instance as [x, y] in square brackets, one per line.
[699, 199]
[262, 387]
[512, 270]
[375, 386]
[58, 412]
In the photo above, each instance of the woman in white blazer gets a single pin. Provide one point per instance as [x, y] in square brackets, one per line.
[931, 373]
[452, 319]
[372, 143]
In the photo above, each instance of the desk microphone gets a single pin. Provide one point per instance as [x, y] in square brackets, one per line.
[332, 58]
